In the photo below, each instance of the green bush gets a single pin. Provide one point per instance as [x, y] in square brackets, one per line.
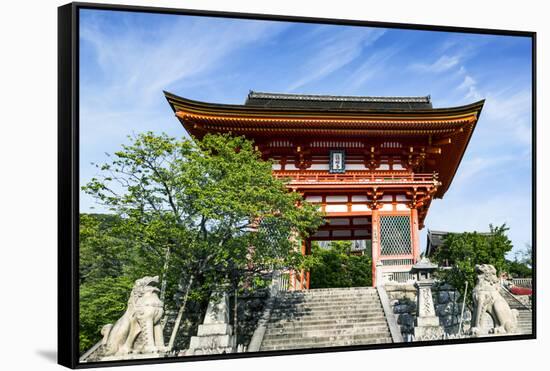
[336, 267]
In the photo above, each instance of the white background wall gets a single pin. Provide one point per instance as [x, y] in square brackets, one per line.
[28, 182]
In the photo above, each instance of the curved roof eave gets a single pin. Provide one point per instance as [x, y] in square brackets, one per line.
[222, 108]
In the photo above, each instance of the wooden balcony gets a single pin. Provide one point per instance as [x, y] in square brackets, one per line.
[361, 177]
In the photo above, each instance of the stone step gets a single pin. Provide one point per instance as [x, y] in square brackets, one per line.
[372, 305]
[322, 339]
[335, 290]
[327, 330]
[327, 308]
[324, 313]
[325, 324]
[351, 301]
[303, 345]
[329, 300]
[335, 331]
[350, 291]
[326, 342]
[314, 299]
[326, 317]
[329, 293]
[287, 314]
[321, 320]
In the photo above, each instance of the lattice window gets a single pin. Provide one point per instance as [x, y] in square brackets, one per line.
[397, 262]
[401, 277]
[395, 234]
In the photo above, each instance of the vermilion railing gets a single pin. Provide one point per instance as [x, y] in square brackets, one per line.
[354, 176]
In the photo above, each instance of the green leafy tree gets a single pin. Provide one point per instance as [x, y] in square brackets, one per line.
[521, 265]
[518, 269]
[337, 267]
[105, 281]
[464, 250]
[102, 301]
[209, 211]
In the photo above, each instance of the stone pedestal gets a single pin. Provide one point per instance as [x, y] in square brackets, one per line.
[427, 325]
[215, 335]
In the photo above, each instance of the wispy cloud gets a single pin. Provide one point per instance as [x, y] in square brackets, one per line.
[372, 67]
[333, 50]
[442, 64]
[511, 114]
[140, 66]
[486, 166]
[469, 86]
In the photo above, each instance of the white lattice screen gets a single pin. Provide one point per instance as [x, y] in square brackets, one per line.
[395, 234]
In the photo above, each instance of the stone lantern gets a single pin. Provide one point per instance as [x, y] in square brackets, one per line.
[427, 325]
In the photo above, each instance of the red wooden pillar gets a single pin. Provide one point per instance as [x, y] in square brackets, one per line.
[415, 235]
[308, 252]
[375, 242]
[303, 249]
[305, 276]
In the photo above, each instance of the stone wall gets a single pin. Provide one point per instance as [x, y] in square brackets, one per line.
[447, 302]
[403, 301]
[251, 307]
[448, 306]
[193, 316]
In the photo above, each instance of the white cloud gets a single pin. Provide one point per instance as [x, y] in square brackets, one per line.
[468, 82]
[133, 66]
[511, 114]
[372, 67]
[333, 52]
[471, 168]
[443, 63]
[126, 71]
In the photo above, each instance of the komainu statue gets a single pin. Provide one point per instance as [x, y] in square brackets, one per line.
[139, 329]
[487, 299]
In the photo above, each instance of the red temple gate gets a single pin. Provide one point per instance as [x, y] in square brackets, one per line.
[371, 164]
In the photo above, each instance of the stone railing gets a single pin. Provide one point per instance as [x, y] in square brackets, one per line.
[391, 319]
[401, 277]
[279, 282]
[445, 336]
[522, 282]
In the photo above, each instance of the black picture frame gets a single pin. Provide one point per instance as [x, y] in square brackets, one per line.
[69, 185]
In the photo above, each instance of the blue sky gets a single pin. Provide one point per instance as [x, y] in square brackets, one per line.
[127, 59]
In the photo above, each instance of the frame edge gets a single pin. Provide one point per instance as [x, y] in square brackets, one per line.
[67, 325]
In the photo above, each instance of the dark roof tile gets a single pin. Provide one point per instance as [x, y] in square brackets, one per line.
[280, 100]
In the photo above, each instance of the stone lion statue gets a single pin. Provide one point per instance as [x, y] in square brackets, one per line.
[487, 299]
[139, 329]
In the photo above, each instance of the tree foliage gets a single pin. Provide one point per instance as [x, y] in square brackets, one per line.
[464, 250]
[336, 267]
[521, 265]
[208, 210]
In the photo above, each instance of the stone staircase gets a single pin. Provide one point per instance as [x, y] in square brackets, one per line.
[525, 317]
[325, 318]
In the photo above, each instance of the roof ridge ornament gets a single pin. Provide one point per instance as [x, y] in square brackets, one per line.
[349, 98]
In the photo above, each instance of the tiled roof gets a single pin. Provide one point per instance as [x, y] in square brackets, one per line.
[280, 100]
